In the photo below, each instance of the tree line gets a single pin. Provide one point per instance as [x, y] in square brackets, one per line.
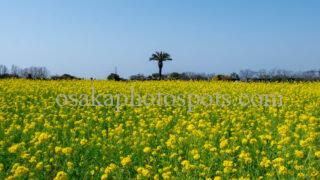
[274, 75]
[32, 72]
[28, 73]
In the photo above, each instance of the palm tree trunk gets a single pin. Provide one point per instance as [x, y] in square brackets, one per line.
[160, 64]
[160, 73]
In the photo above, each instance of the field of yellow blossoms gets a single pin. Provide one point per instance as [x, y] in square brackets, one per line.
[42, 140]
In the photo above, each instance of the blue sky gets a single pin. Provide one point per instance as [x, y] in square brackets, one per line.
[91, 38]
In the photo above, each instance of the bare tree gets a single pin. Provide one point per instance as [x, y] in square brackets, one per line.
[15, 70]
[247, 74]
[310, 75]
[3, 70]
[35, 73]
[263, 75]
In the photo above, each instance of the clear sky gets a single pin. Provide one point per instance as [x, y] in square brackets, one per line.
[91, 38]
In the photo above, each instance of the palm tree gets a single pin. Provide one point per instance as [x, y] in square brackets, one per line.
[160, 57]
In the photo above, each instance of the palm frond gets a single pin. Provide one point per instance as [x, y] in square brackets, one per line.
[160, 56]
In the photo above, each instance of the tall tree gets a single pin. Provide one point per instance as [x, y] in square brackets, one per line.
[160, 57]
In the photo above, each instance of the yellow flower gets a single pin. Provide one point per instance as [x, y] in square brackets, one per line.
[253, 141]
[33, 159]
[43, 137]
[126, 160]
[244, 141]
[277, 162]
[186, 165]
[92, 172]
[109, 169]
[61, 175]
[245, 157]
[70, 165]
[228, 163]
[300, 175]
[223, 143]
[1, 117]
[14, 148]
[265, 162]
[170, 142]
[317, 154]
[299, 154]
[196, 156]
[304, 143]
[147, 150]
[67, 150]
[298, 167]
[58, 149]
[39, 166]
[270, 174]
[118, 130]
[83, 141]
[283, 170]
[244, 178]
[166, 175]
[143, 171]
[20, 171]
[156, 177]
[24, 155]
[48, 168]
[1, 167]
[104, 177]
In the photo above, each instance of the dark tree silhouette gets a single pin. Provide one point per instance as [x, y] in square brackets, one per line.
[160, 57]
[114, 77]
[64, 77]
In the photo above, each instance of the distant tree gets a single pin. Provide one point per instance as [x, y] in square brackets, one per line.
[310, 75]
[263, 75]
[4, 73]
[186, 75]
[280, 75]
[247, 74]
[194, 76]
[174, 76]
[234, 76]
[114, 77]
[153, 76]
[64, 77]
[217, 77]
[160, 57]
[222, 77]
[35, 73]
[15, 71]
[138, 77]
[3, 70]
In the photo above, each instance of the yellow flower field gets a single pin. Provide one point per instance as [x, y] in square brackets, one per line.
[42, 140]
